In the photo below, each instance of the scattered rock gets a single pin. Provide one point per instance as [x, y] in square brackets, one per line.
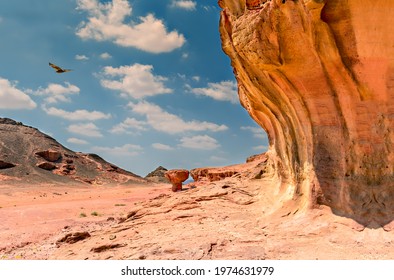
[103, 248]
[177, 177]
[74, 237]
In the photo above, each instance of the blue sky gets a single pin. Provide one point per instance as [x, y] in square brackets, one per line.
[150, 83]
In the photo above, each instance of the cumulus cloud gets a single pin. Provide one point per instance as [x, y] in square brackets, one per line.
[261, 148]
[163, 121]
[13, 98]
[77, 115]
[55, 93]
[163, 147]
[81, 57]
[77, 141]
[184, 4]
[217, 159]
[136, 81]
[223, 91]
[129, 126]
[125, 150]
[199, 142]
[105, 55]
[257, 132]
[107, 22]
[85, 129]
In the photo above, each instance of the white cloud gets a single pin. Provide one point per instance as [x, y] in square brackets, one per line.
[185, 55]
[77, 141]
[85, 129]
[77, 115]
[196, 78]
[223, 91]
[81, 57]
[105, 55]
[129, 126]
[261, 148]
[125, 150]
[184, 4]
[199, 142]
[163, 121]
[13, 98]
[257, 132]
[57, 93]
[217, 159]
[106, 22]
[136, 81]
[163, 147]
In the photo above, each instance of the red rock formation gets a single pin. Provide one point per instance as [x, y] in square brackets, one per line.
[177, 177]
[318, 76]
[212, 174]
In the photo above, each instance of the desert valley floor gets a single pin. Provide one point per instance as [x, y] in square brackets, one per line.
[228, 219]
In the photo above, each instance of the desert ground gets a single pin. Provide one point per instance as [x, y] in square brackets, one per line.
[226, 219]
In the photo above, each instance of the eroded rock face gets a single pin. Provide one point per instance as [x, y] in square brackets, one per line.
[212, 174]
[177, 177]
[50, 155]
[318, 76]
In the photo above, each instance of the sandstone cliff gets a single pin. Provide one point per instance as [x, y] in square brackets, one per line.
[318, 76]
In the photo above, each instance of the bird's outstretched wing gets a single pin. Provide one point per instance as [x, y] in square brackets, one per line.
[58, 69]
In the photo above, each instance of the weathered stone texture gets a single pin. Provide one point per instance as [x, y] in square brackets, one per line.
[318, 76]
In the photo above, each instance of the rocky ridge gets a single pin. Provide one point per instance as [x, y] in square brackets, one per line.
[30, 156]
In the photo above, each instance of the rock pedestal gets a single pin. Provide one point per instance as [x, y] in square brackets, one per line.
[177, 177]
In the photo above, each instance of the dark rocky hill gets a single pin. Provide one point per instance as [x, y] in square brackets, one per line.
[157, 175]
[30, 156]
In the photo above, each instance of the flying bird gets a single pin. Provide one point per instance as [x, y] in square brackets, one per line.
[58, 69]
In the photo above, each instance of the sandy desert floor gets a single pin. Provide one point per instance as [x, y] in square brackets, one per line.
[30, 214]
[228, 219]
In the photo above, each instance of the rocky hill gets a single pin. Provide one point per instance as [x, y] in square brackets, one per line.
[157, 175]
[30, 156]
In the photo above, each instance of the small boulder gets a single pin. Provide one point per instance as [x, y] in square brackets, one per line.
[50, 155]
[73, 237]
[177, 177]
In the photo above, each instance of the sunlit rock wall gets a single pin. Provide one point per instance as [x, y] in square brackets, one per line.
[318, 76]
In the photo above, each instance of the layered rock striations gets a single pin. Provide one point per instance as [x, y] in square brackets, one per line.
[318, 76]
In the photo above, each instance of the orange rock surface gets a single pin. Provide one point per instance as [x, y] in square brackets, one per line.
[177, 177]
[318, 76]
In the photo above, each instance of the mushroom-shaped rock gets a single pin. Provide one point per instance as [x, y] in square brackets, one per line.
[176, 177]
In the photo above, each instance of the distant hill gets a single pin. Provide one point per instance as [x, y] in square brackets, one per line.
[30, 156]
